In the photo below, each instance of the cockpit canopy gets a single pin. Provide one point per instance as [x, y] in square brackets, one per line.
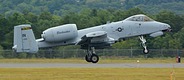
[139, 18]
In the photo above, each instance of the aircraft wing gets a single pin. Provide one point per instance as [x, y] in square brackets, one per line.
[97, 39]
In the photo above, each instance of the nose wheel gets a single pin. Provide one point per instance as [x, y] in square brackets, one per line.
[145, 51]
[143, 44]
[91, 56]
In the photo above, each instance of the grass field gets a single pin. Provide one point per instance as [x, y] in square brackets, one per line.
[102, 60]
[91, 74]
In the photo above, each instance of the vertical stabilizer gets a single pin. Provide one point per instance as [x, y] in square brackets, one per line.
[24, 39]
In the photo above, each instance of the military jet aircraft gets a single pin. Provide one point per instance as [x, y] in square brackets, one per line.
[92, 38]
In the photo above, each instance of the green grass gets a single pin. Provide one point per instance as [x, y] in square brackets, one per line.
[90, 73]
[102, 60]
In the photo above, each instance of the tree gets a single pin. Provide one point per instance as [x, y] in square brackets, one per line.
[4, 27]
[174, 20]
[128, 44]
[45, 16]
[1, 52]
[31, 17]
[7, 43]
[180, 37]
[104, 16]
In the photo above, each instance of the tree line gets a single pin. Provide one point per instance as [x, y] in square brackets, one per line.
[62, 7]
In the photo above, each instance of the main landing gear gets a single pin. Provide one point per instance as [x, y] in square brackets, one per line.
[145, 50]
[91, 55]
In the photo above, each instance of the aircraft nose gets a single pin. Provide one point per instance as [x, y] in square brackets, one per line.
[167, 27]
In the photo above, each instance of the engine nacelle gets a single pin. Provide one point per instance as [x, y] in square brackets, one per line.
[60, 33]
[159, 33]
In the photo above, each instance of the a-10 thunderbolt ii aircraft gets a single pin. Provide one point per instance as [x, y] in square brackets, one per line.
[92, 38]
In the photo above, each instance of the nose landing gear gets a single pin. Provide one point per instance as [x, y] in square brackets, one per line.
[143, 44]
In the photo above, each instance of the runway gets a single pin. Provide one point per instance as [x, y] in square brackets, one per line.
[90, 65]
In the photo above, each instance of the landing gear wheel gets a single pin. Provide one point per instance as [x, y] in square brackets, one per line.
[87, 58]
[145, 51]
[94, 58]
